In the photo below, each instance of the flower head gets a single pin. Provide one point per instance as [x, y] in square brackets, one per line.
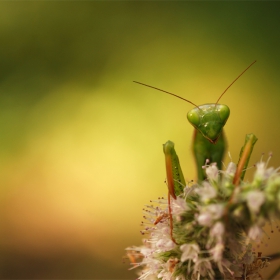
[212, 228]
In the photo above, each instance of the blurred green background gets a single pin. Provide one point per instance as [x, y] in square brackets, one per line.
[81, 145]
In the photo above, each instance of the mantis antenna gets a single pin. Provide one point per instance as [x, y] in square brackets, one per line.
[235, 81]
[168, 93]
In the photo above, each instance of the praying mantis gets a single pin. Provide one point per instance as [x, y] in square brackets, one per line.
[208, 144]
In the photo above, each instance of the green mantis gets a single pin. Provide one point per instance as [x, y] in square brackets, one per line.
[208, 145]
[208, 141]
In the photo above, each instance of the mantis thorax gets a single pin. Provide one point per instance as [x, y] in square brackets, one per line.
[209, 119]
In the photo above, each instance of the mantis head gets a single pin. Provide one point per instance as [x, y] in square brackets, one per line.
[209, 120]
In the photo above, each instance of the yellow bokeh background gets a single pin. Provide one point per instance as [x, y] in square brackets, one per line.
[81, 144]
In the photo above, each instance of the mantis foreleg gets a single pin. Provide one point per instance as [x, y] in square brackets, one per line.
[175, 178]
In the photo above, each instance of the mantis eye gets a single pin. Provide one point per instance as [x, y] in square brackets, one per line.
[193, 117]
[223, 112]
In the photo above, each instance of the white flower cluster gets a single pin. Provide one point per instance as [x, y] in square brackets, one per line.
[211, 230]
